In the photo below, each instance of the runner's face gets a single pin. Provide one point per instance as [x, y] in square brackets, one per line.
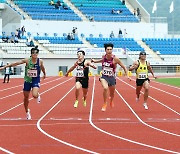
[80, 55]
[34, 54]
[143, 56]
[109, 51]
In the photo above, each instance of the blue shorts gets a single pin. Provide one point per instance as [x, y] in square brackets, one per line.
[111, 80]
[28, 85]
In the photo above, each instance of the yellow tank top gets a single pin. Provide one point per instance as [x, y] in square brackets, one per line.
[142, 71]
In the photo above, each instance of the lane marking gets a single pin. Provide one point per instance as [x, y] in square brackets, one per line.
[152, 98]
[33, 98]
[119, 137]
[142, 120]
[5, 150]
[22, 91]
[163, 91]
[54, 138]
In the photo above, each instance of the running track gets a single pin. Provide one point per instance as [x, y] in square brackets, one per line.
[57, 127]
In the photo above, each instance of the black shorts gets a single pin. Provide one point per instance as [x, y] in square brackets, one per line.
[139, 82]
[111, 80]
[84, 82]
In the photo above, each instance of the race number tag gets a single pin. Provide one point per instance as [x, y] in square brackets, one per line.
[32, 73]
[142, 76]
[80, 73]
[107, 71]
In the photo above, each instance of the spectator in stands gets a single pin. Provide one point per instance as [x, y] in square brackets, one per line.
[23, 30]
[142, 66]
[138, 11]
[82, 78]
[58, 3]
[5, 38]
[16, 39]
[108, 80]
[33, 68]
[120, 33]
[65, 6]
[112, 34]
[119, 11]
[30, 43]
[7, 73]
[134, 12]
[91, 18]
[51, 2]
[112, 11]
[123, 2]
[70, 36]
[56, 6]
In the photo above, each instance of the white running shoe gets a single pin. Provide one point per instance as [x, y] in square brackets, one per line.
[28, 115]
[145, 106]
[39, 99]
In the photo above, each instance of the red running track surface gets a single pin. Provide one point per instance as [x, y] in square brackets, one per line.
[58, 127]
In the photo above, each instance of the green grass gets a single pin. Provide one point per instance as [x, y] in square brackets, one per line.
[170, 81]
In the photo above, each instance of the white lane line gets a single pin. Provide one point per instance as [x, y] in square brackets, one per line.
[153, 99]
[119, 137]
[163, 91]
[33, 98]
[22, 91]
[5, 150]
[142, 120]
[54, 138]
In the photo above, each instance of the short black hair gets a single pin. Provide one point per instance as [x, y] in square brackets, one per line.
[82, 52]
[35, 49]
[108, 45]
[142, 53]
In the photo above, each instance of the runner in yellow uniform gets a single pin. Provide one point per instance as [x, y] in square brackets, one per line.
[142, 66]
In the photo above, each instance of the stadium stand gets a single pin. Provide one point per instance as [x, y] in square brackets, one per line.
[40, 10]
[102, 10]
[129, 43]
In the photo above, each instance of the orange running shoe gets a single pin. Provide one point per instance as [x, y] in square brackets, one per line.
[104, 107]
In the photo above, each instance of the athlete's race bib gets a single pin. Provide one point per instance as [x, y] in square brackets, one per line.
[142, 76]
[32, 73]
[107, 71]
[79, 73]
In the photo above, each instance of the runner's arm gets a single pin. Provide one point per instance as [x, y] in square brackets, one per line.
[88, 63]
[134, 66]
[96, 61]
[151, 70]
[14, 64]
[71, 69]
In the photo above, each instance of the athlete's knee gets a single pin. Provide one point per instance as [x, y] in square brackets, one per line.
[35, 95]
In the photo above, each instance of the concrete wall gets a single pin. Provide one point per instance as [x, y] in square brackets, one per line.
[135, 30]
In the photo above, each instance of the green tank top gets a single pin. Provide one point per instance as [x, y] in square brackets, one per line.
[29, 66]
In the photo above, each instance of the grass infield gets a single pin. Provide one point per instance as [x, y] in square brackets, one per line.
[170, 81]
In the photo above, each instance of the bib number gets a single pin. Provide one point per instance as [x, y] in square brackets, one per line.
[142, 76]
[32, 73]
[80, 73]
[107, 71]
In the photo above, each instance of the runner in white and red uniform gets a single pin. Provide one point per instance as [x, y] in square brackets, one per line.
[108, 80]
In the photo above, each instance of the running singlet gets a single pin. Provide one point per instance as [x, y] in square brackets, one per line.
[32, 71]
[108, 68]
[81, 70]
[142, 71]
